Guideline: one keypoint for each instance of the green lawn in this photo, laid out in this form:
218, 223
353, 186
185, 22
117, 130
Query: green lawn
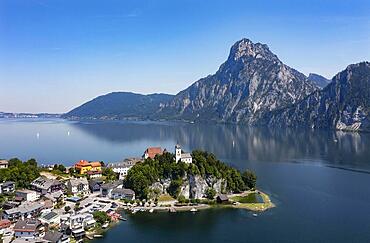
165, 198
250, 198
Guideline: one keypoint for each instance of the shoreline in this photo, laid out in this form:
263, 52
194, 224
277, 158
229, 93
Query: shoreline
254, 207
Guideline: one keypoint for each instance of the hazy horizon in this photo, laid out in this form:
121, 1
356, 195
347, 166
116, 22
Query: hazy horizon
57, 55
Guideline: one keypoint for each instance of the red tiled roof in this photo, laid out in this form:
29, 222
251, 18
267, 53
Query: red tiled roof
153, 151
82, 163
4, 223
95, 164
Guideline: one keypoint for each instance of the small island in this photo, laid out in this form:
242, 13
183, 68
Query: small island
184, 181
85, 200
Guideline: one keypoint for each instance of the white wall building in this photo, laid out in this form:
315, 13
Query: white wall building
122, 168
78, 185
27, 195
4, 164
183, 157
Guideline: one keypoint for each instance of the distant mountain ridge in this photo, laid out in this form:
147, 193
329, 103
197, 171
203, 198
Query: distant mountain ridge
318, 80
120, 105
251, 87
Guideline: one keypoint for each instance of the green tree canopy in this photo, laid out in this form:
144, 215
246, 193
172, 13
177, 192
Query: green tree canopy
22, 173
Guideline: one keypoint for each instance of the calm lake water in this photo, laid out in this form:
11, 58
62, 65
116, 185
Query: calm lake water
319, 180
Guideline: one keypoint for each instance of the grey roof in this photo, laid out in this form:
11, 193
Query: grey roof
54, 195
111, 185
92, 183
53, 236
126, 163
25, 191
125, 191
44, 183
49, 216
25, 208
186, 155
223, 197
78, 181
8, 183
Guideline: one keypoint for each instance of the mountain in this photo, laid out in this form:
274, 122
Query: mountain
251, 82
344, 104
318, 80
120, 105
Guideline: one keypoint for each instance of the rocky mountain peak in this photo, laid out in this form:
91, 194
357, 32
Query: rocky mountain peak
252, 81
318, 80
245, 48
359, 69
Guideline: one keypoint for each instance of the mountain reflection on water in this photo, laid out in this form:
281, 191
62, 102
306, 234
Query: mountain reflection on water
237, 142
61, 141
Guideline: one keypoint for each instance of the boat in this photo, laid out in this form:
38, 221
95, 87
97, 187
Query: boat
105, 225
193, 210
98, 236
172, 210
122, 218
255, 215
151, 210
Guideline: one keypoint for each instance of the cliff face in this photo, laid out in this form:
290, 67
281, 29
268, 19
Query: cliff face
344, 104
251, 82
193, 186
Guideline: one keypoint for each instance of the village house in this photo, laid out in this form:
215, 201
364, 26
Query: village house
83, 166
183, 157
28, 229
5, 223
95, 184
56, 237
222, 198
84, 220
106, 189
10, 204
55, 197
51, 219
45, 185
122, 193
78, 186
7, 187
151, 152
4, 164
27, 195
25, 210
94, 174
122, 168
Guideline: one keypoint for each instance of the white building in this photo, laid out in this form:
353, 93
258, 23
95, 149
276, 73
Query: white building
27, 195
183, 157
50, 218
3, 164
122, 168
78, 185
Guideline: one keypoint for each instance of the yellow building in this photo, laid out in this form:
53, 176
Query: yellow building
84, 166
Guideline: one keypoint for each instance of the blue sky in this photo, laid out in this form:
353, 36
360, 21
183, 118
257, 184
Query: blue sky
54, 55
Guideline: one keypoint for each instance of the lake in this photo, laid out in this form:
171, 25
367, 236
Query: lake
319, 180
